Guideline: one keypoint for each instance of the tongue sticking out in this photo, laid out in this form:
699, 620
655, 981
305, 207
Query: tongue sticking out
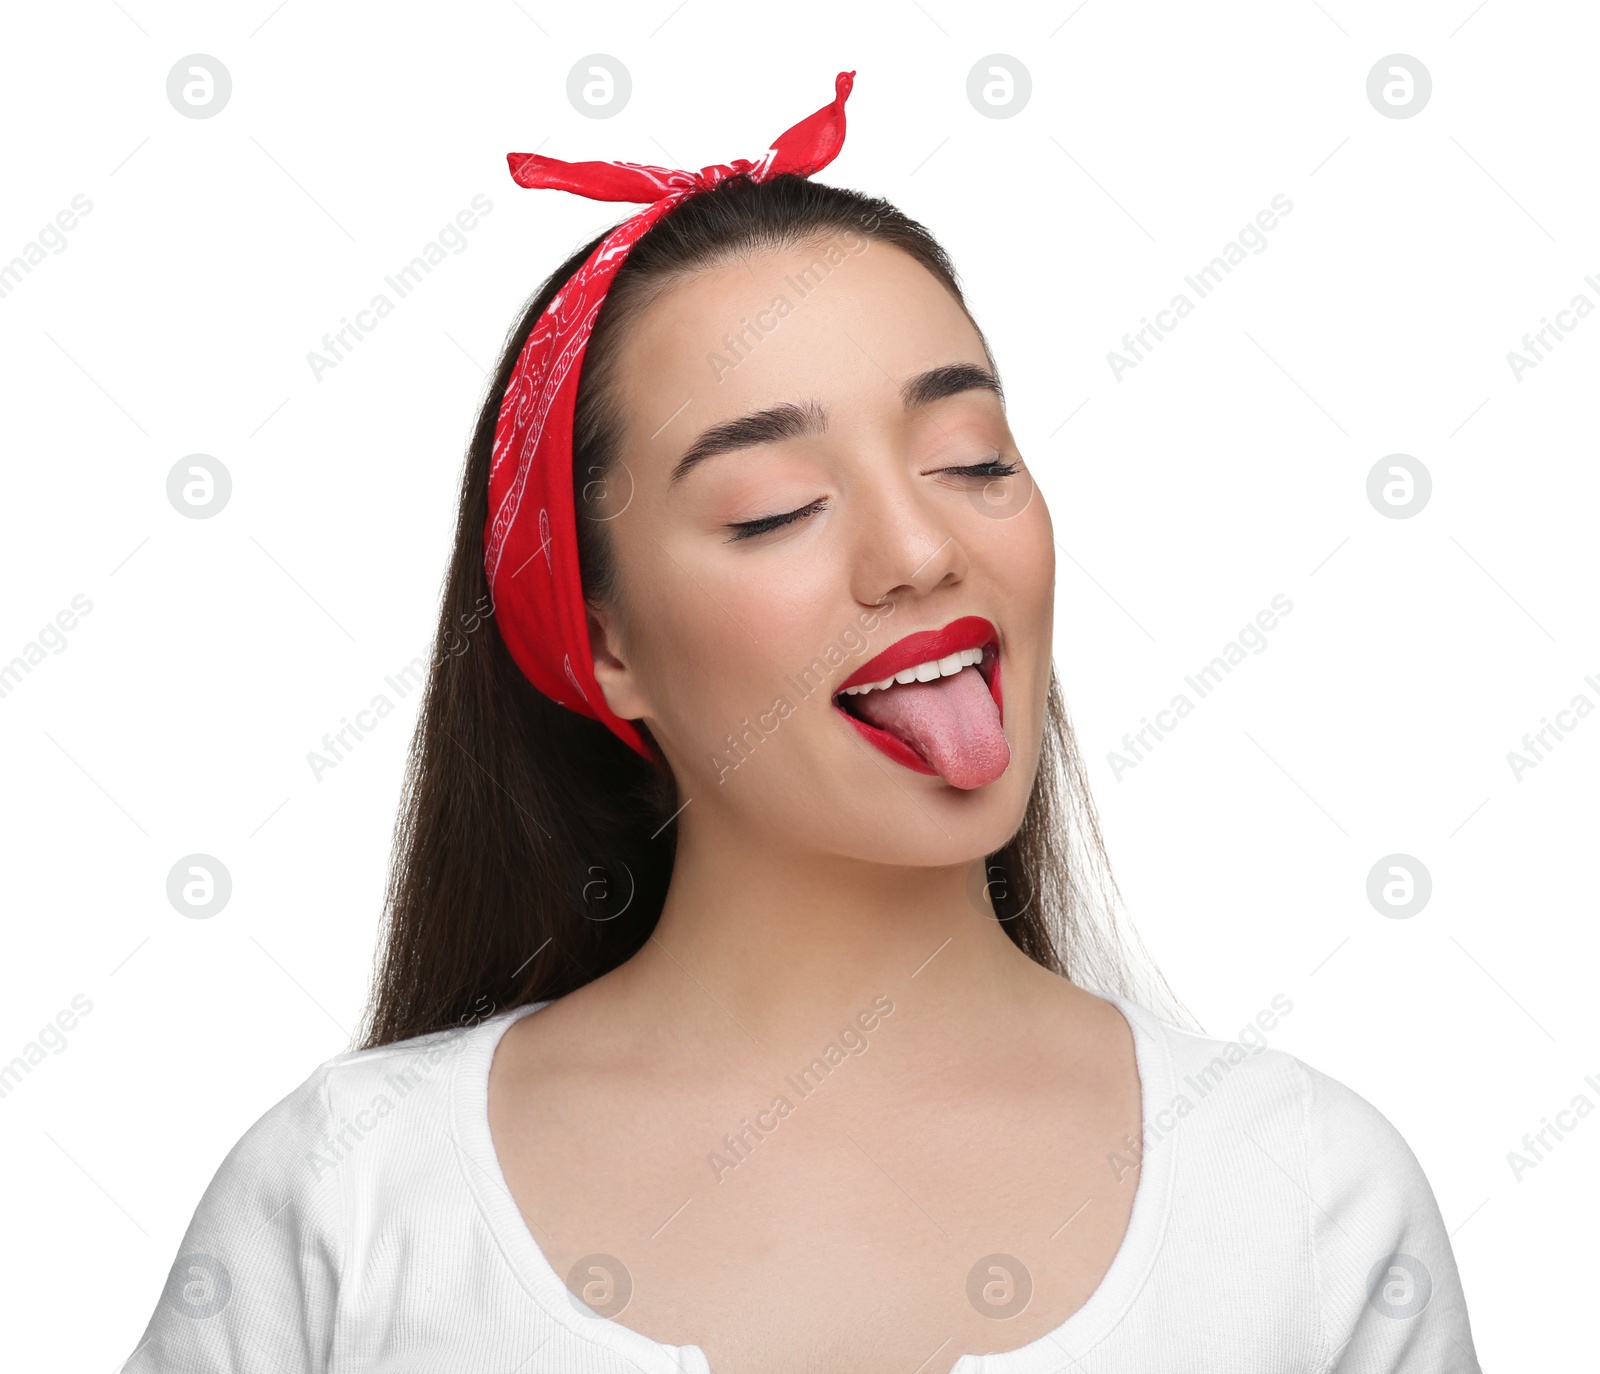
951, 721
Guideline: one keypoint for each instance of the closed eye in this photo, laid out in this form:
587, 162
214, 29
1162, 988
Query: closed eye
991, 467
748, 529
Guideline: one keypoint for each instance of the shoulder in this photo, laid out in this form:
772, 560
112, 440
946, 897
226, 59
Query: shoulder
269, 1241
1216, 1087
1245, 1083
325, 1120
383, 1101
287, 1161
1391, 1290
1362, 1161
1328, 1182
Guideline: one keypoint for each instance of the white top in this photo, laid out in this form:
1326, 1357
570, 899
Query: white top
1279, 1224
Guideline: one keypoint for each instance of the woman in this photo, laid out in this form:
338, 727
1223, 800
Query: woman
735, 1013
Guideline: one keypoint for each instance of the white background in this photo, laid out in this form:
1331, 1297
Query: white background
1228, 467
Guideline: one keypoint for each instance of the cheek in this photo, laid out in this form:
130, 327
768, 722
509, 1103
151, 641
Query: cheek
715, 644
1019, 552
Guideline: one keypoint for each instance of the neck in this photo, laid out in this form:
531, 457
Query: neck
770, 946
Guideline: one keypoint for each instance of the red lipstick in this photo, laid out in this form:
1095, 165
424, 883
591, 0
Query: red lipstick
968, 632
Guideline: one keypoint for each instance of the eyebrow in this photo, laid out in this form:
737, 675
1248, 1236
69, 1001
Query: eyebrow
790, 421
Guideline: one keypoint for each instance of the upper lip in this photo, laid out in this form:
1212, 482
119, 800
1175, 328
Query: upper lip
969, 632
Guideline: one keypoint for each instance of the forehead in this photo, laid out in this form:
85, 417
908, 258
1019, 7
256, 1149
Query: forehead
841, 322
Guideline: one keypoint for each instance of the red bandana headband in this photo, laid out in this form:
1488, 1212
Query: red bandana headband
530, 538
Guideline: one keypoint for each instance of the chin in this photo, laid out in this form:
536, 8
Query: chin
904, 848
923, 822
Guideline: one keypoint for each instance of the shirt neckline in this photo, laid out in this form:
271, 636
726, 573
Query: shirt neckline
1110, 1302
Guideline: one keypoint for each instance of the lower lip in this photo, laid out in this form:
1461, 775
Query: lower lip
895, 748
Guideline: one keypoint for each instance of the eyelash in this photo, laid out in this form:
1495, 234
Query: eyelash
749, 529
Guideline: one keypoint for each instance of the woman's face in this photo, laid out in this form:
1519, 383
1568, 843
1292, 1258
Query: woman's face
790, 505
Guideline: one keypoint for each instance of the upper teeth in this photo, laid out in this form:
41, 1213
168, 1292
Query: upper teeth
923, 672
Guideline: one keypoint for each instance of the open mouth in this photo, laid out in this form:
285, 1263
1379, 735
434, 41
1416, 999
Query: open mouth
931, 702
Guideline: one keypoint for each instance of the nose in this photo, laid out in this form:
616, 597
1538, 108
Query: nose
906, 543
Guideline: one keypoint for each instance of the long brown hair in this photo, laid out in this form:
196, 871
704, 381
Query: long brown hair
533, 849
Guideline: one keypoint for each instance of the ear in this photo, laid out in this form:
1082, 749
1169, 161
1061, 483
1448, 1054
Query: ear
623, 692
